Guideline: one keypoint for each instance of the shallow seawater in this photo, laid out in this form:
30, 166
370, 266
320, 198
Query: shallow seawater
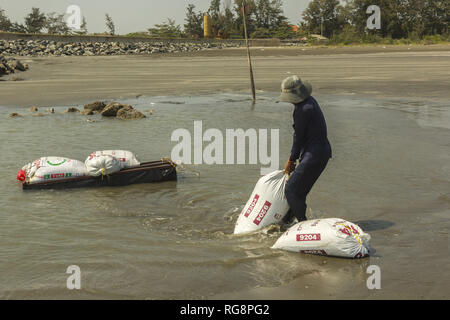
174, 240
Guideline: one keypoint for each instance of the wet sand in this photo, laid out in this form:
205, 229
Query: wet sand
382, 71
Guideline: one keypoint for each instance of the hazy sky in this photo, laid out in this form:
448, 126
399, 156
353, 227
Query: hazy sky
129, 15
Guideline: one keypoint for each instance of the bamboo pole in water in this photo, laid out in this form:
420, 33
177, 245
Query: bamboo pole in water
252, 80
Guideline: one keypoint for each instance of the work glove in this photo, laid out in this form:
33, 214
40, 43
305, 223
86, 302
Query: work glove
289, 166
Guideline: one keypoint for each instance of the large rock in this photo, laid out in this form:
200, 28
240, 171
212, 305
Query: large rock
33, 109
87, 112
112, 108
72, 110
3, 69
128, 113
95, 106
9, 65
16, 65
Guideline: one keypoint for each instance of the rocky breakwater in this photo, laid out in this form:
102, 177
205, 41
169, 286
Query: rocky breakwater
10, 65
58, 48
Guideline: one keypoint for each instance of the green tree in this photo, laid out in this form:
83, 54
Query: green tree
285, 32
83, 27
249, 16
269, 14
345, 14
348, 35
110, 25
5, 23
261, 33
435, 16
397, 17
194, 22
214, 13
55, 24
228, 22
222, 21
322, 17
17, 27
35, 21
167, 29
418, 17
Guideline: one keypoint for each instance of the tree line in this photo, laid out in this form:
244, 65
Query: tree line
39, 22
407, 19
50, 23
265, 19
340, 21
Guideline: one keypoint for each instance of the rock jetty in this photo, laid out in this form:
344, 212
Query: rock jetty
57, 48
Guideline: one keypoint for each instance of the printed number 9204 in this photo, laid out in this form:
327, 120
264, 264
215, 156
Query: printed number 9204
308, 237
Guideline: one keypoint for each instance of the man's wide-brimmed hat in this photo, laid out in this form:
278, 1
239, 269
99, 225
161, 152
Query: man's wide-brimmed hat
294, 90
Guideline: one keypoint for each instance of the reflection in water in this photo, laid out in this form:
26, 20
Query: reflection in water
426, 114
372, 225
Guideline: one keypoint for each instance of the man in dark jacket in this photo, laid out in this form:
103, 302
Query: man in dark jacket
310, 144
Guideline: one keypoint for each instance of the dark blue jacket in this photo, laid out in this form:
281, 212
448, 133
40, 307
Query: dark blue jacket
310, 132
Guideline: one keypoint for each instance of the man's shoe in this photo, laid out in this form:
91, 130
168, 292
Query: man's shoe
286, 225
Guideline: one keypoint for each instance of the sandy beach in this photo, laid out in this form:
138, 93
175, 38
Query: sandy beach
387, 115
381, 71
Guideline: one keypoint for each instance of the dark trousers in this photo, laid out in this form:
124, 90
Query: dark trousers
300, 183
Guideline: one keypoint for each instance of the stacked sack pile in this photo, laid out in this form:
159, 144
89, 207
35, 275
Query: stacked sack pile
98, 163
331, 237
